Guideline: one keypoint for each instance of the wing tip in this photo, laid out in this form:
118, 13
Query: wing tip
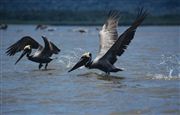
114, 14
10, 51
142, 13
44, 37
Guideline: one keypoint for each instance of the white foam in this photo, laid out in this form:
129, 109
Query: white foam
69, 58
164, 77
168, 68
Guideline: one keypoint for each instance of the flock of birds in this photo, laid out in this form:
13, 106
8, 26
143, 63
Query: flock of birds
111, 46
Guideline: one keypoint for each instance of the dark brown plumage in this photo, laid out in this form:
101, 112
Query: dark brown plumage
111, 45
41, 55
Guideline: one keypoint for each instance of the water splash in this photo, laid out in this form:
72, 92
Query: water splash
69, 58
169, 67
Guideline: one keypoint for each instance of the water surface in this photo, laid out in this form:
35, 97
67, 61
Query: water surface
149, 84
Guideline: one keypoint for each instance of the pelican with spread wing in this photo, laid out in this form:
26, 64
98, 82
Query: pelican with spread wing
111, 45
41, 55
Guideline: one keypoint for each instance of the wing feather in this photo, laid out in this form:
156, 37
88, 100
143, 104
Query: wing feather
49, 48
124, 39
108, 35
54, 48
20, 44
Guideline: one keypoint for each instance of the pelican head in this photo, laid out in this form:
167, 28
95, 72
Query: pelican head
27, 50
84, 60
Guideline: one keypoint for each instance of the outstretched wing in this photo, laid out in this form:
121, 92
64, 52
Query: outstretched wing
54, 48
108, 35
19, 45
124, 39
49, 48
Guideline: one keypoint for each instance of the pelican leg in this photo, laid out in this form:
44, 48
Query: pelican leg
46, 66
40, 65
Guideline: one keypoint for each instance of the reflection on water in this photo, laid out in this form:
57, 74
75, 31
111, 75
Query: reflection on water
148, 85
102, 76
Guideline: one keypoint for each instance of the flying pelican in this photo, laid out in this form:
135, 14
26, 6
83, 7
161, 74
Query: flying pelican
41, 55
3, 26
41, 27
111, 45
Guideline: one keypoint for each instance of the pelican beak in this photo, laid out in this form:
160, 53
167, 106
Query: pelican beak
80, 63
24, 53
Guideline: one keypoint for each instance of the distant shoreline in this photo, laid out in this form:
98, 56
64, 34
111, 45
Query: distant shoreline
82, 18
81, 24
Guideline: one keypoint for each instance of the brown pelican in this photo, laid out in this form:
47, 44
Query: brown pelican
81, 30
3, 26
41, 55
41, 27
111, 45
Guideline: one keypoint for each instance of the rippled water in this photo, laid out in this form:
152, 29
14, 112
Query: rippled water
149, 84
